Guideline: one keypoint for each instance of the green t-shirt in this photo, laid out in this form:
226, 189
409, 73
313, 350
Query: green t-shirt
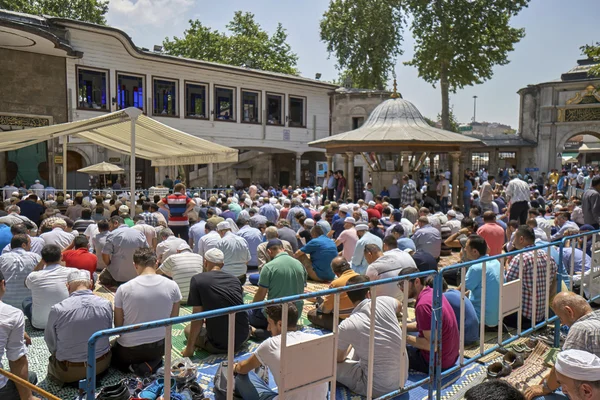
283, 276
129, 222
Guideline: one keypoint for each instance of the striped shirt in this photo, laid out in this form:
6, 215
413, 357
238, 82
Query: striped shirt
584, 334
181, 267
15, 266
177, 203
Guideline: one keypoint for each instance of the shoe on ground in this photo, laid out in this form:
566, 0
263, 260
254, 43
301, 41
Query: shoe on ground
192, 391
513, 359
152, 391
498, 370
119, 391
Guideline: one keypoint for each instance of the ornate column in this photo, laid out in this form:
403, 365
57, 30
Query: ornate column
210, 175
329, 161
406, 161
350, 176
270, 165
298, 169
455, 159
345, 170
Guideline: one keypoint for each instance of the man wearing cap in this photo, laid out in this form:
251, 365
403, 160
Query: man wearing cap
321, 251
387, 264
518, 196
117, 253
578, 373
584, 329
168, 244
181, 267
359, 263
338, 224
235, 250
372, 212
348, 238
210, 290
179, 205
70, 323
282, 276
47, 283
253, 237
263, 255
12, 340
453, 222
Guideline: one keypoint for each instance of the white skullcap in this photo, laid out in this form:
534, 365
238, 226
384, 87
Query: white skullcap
309, 222
196, 194
248, 201
451, 213
123, 209
394, 181
37, 181
362, 227
183, 246
273, 200
78, 275
214, 255
344, 209
15, 194
221, 226
68, 196
235, 200
579, 365
371, 203
350, 220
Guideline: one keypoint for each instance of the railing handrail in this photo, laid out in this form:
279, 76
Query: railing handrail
20, 381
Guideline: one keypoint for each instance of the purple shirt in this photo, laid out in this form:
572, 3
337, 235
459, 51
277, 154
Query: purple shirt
450, 342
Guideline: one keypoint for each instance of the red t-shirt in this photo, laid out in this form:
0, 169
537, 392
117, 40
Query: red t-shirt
494, 237
81, 259
373, 213
450, 336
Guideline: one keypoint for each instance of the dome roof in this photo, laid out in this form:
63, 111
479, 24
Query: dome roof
396, 121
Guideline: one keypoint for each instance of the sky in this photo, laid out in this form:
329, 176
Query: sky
554, 31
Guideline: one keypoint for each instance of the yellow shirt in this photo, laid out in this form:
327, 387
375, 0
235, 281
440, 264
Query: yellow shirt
346, 305
553, 178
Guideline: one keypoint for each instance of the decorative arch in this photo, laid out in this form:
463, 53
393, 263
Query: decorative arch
582, 130
358, 111
76, 159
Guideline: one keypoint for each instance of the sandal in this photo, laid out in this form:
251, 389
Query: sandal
513, 359
498, 370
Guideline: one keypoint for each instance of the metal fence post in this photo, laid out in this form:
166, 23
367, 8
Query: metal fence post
437, 312
559, 283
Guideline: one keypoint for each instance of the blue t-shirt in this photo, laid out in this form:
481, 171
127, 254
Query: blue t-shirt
471, 320
322, 251
406, 243
492, 298
5, 235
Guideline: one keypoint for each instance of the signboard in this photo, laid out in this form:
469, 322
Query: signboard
389, 165
558, 155
321, 169
58, 159
114, 159
532, 169
286, 135
465, 128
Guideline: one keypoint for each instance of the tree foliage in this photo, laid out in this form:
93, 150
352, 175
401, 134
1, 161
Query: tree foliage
82, 10
457, 43
593, 52
365, 37
245, 44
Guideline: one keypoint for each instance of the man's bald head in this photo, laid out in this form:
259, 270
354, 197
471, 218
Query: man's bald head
570, 307
339, 265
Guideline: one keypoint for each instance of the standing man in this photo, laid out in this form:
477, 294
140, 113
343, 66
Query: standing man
444, 193
408, 194
517, 193
235, 250
341, 186
591, 204
210, 290
12, 340
331, 185
70, 323
395, 195
486, 194
117, 254
147, 297
168, 182
15, 266
38, 189
179, 205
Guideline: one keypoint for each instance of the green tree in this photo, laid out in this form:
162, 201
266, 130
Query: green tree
245, 44
593, 52
453, 121
457, 43
82, 10
365, 37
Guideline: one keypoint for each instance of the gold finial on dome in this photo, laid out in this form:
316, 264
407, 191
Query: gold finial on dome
395, 94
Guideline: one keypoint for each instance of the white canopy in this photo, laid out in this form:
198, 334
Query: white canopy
102, 168
154, 141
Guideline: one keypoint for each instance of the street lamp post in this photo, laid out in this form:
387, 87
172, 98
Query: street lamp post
474, 108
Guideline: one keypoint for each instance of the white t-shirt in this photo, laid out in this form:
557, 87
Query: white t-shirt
12, 327
167, 247
355, 330
268, 354
143, 299
48, 287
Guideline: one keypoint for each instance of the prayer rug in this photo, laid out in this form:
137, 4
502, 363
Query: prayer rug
491, 339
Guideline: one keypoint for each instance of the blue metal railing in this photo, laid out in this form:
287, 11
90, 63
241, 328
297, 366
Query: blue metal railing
436, 375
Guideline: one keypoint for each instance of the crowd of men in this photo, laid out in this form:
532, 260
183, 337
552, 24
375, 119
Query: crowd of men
182, 249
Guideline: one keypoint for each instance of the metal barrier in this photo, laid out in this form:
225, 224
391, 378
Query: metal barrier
436, 375
22, 382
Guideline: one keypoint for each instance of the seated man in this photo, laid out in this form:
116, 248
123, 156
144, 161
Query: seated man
167, 244
147, 297
80, 257
359, 263
387, 264
418, 351
16, 264
322, 315
181, 267
48, 285
475, 249
322, 251
584, 330
525, 237
427, 238
579, 374
58, 235
471, 320
71, 323
250, 385
282, 276
263, 255
402, 242
12, 340
493, 389
210, 290
353, 343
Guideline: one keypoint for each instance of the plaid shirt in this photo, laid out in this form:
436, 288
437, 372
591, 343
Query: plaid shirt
584, 334
527, 284
149, 218
408, 195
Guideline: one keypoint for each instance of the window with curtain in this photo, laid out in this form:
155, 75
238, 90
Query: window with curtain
92, 89
196, 102
250, 106
296, 113
275, 109
130, 91
224, 104
164, 97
